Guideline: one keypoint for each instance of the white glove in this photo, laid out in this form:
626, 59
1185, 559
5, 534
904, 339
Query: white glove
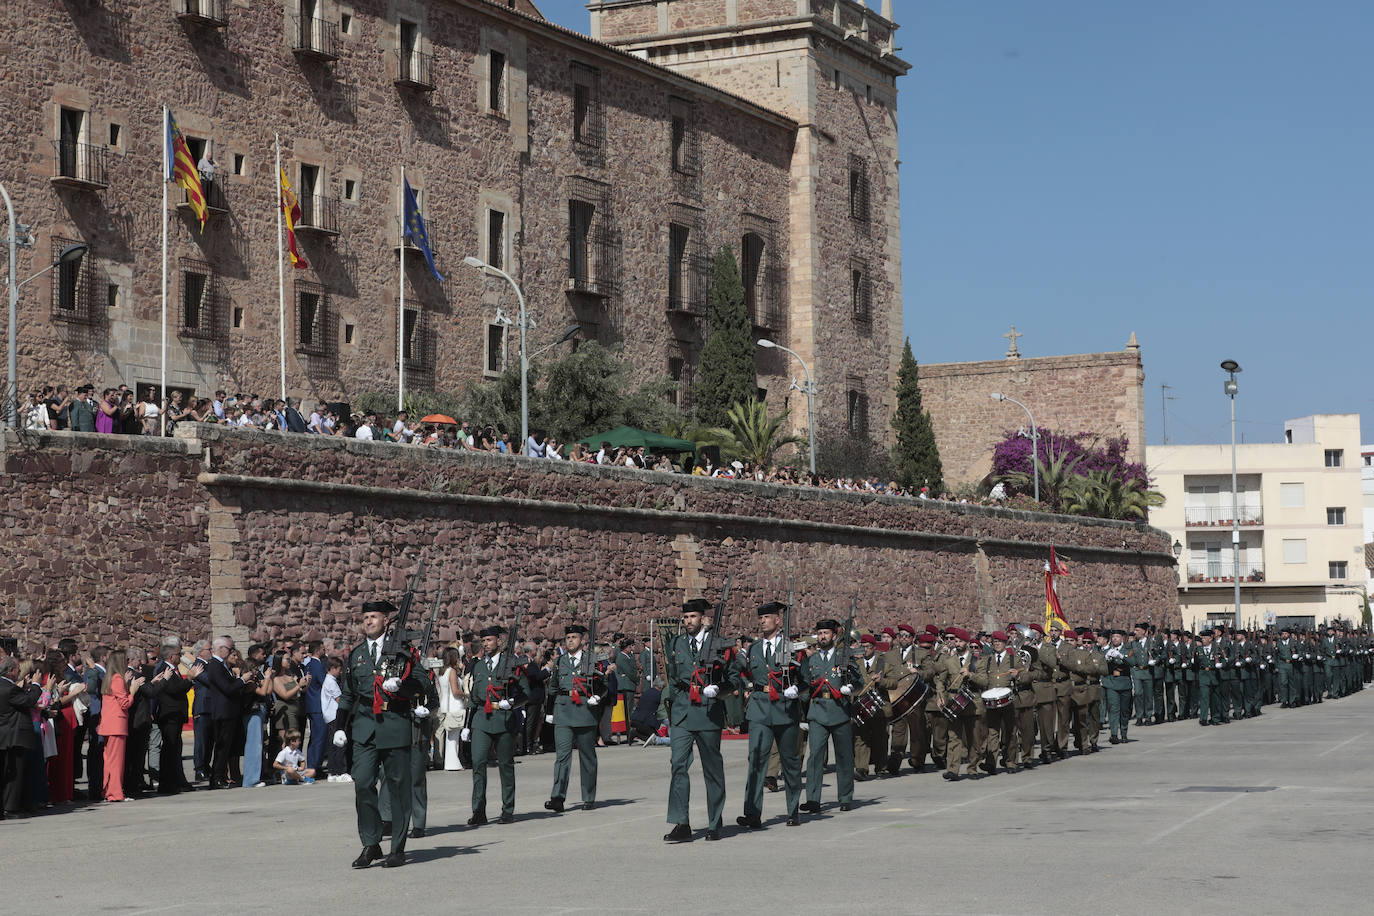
548, 719
391, 684
504, 704
790, 693
593, 700
710, 691
340, 739
421, 711
465, 735
847, 690
805, 726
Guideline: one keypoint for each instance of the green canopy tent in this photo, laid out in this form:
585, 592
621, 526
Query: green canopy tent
630, 437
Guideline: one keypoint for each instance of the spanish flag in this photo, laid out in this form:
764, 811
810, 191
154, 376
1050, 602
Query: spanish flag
1054, 614
291, 209
181, 168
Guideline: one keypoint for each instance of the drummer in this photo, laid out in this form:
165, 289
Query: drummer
870, 736
997, 675
959, 703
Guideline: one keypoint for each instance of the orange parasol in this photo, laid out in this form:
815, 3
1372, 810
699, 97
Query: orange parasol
439, 418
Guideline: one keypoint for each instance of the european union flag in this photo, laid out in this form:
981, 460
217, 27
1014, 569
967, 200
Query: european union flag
415, 231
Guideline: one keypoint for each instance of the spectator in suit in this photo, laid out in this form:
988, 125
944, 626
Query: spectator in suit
203, 743
17, 700
140, 727
95, 755
224, 704
168, 688
116, 700
313, 674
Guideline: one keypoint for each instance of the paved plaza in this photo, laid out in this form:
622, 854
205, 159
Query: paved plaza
1263, 816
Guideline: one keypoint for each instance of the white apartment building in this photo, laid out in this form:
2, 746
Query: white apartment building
1367, 491
1303, 524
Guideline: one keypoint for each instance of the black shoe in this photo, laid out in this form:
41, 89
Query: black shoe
477, 820
753, 823
369, 855
555, 805
713, 834
386, 828
952, 777
682, 833
794, 821
861, 776
589, 806
506, 818
845, 806
1114, 740
395, 860
1045, 758
811, 807
1204, 724
770, 783
417, 833
938, 761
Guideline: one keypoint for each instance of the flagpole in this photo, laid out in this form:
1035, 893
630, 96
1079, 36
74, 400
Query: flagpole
166, 171
281, 278
401, 312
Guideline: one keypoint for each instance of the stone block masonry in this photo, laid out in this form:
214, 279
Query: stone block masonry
270, 534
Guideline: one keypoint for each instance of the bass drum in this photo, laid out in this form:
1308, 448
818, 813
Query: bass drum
869, 705
909, 693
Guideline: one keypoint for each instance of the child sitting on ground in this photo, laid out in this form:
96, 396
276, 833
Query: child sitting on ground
288, 762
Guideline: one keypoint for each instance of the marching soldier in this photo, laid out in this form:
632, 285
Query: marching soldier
1187, 685
574, 720
626, 679
870, 739
832, 676
1247, 676
1285, 654
1117, 685
380, 717
936, 723
419, 764
1042, 677
1025, 706
898, 662
1063, 695
696, 716
1084, 672
1142, 681
1173, 673
774, 715
1000, 668
1230, 681
499, 689
1211, 659
951, 677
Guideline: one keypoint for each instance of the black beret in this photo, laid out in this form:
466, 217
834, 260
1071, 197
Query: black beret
577, 628
379, 607
828, 624
1142, 625
696, 606
493, 630
772, 607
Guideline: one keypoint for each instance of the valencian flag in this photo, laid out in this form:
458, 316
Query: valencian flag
1053, 612
415, 231
291, 209
181, 168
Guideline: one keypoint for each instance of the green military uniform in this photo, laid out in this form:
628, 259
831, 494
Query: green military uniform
1086, 666
382, 729
774, 721
1116, 683
1285, 651
1247, 676
627, 680
1140, 658
1172, 674
1187, 685
419, 759
495, 679
1211, 659
695, 721
574, 726
826, 673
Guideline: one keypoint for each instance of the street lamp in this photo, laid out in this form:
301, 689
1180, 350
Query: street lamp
1231, 367
568, 335
486, 268
808, 388
70, 254
1035, 439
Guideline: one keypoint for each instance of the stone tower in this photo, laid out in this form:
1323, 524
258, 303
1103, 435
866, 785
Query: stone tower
832, 66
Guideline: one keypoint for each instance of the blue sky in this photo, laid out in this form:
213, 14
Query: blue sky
1200, 173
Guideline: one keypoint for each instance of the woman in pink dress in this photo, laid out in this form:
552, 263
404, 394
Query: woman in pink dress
106, 410
116, 698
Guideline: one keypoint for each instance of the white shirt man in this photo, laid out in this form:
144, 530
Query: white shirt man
364, 431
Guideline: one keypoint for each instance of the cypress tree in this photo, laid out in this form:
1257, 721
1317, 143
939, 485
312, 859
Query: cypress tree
727, 376
916, 456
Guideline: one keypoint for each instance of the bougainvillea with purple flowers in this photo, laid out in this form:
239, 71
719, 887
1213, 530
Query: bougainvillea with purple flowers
1085, 453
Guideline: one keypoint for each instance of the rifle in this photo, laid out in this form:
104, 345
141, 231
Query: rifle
429, 628
848, 650
396, 659
713, 649
787, 663
589, 654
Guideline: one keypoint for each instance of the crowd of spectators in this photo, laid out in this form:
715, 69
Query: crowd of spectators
108, 724
117, 410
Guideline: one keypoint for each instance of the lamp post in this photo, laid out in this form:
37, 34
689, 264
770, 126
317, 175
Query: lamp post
808, 389
69, 254
1035, 440
486, 268
1231, 367
568, 335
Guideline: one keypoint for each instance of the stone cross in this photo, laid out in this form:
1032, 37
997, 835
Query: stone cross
1012, 351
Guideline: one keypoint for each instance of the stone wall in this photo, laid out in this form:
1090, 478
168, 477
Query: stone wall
1101, 393
259, 534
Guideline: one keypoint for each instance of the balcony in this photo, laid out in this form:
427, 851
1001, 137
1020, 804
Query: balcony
315, 39
587, 285
1221, 517
1223, 573
215, 202
319, 215
414, 71
82, 166
211, 14
686, 306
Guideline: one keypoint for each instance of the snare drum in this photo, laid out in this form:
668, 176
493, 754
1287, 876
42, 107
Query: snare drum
960, 704
997, 697
869, 705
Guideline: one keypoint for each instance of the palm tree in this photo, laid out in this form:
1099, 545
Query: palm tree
1057, 476
1102, 494
757, 436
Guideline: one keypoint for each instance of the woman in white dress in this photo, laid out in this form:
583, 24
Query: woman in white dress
452, 706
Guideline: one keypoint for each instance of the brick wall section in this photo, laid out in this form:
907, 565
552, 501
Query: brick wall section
1102, 393
292, 556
